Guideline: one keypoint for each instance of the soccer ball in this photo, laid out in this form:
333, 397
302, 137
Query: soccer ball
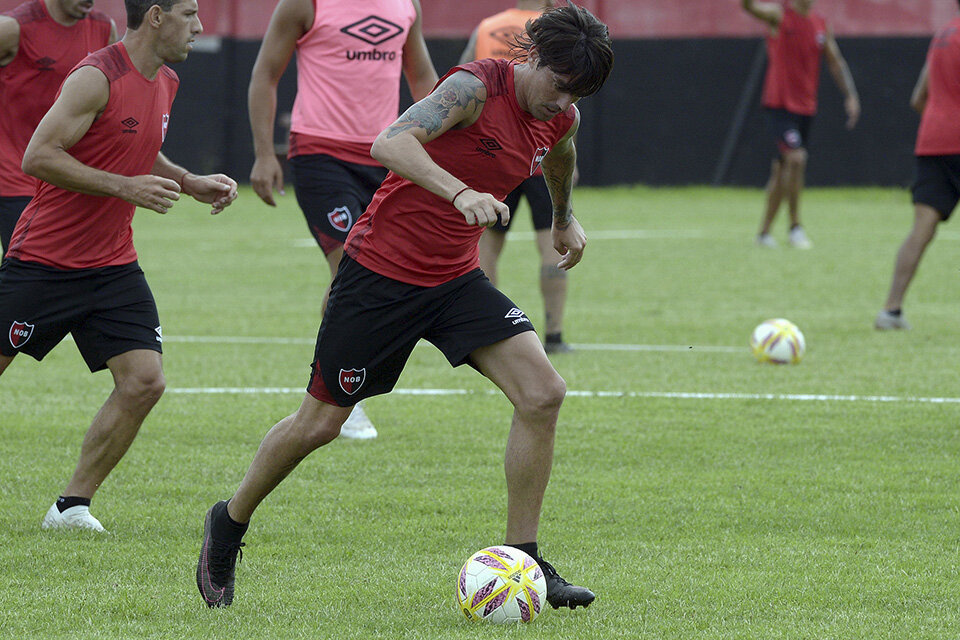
501, 584
778, 341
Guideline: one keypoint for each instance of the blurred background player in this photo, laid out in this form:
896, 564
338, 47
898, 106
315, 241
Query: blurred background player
350, 56
936, 189
798, 39
40, 42
494, 38
71, 266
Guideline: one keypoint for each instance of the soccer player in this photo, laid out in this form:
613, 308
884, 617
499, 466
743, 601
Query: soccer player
40, 41
936, 189
71, 266
350, 56
410, 271
493, 38
798, 39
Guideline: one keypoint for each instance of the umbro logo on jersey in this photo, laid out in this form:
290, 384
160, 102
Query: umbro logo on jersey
130, 124
487, 147
19, 333
506, 35
373, 30
516, 316
45, 63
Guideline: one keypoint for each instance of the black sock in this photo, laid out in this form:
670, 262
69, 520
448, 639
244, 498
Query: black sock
225, 528
529, 548
65, 502
555, 337
895, 312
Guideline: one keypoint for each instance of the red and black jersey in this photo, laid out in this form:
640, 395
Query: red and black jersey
939, 133
794, 52
414, 236
47, 51
71, 230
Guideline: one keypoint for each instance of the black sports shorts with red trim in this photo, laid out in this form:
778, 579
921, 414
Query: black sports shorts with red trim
373, 322
535, 190
109, 311
10, 209
937, 183
332, 194
789, 130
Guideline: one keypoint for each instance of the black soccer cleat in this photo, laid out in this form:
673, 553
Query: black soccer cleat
217, 563
561, 593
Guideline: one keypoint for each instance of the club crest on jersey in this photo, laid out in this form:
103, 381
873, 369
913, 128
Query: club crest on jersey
538, 158
340, 219
352, 379
19, 333
164, 122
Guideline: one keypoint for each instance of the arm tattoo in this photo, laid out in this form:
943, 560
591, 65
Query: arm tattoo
558, 173
430, 113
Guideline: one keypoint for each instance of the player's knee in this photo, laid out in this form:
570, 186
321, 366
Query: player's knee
315, 434
796, 158
543, 399
143, 387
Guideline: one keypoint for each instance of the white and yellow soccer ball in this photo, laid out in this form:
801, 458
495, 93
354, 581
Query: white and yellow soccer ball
501, 584
778, 341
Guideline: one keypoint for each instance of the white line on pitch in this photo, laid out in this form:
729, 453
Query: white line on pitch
625, 234
578, 346
677, 395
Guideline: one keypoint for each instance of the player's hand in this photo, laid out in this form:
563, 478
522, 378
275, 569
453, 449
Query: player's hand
852, 106
267, 175
216, 189
151, 192
569, 240
481, 209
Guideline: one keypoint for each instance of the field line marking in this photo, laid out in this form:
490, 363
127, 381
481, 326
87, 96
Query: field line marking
579, 346
612, 234
677, 395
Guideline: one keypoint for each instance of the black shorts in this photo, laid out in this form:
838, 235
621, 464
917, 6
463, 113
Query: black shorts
937, 183
109, 311
10, 209
789, 130
538, 197
332, 194
373, 322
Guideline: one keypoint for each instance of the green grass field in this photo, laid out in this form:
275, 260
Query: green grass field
747, 509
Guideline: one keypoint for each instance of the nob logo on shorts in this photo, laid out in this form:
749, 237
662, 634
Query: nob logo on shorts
352, 379
19, 333
340, 219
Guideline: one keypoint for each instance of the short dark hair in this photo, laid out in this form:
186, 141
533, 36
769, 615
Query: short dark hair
137, 9
572, 42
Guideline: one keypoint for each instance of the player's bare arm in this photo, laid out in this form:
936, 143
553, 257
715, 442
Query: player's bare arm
82, 99
558, 167
456, 103
769, 12
9, 39
290, 21
841, 75
918, 99
418, 68
215, 189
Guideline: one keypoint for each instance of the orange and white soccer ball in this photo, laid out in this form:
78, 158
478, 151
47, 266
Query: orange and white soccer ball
501, 584
778, 341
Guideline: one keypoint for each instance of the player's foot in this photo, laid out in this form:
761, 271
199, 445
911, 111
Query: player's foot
557, 347
217, 563
77, 517
888, 320
358, 425
561, 593
798, 238
766, 240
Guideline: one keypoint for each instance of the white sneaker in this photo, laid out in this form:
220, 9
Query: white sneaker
886, 320
766, 240
798, 238
358, 425
73, 518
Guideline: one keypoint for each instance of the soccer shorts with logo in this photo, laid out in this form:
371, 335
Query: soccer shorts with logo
937, 183
789, 130
373, 322
535, 190
332, 194
109, 311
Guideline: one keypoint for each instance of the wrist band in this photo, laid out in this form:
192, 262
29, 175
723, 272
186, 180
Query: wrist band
180, 181
454, 198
